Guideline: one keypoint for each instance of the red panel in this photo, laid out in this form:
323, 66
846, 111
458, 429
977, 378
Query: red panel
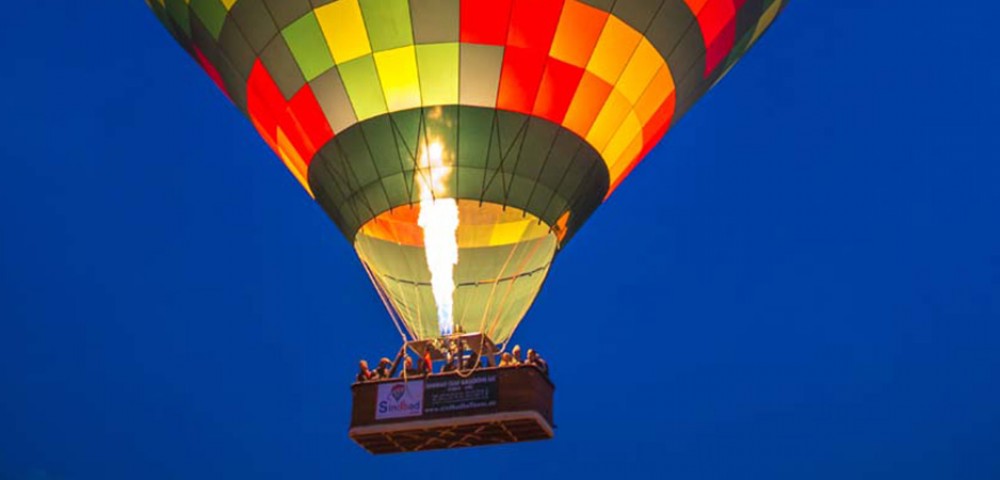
305, 124
484, 21
719, 50
264, 102
714, 17
718, 27
533, 23
556, 91
520, 78
210, 69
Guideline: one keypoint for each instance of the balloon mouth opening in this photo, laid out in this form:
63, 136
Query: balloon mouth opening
480, 224
501, 256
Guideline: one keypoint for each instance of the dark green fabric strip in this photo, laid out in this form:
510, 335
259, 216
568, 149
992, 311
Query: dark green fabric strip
499, 157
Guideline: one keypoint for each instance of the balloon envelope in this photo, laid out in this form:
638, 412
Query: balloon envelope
525, 114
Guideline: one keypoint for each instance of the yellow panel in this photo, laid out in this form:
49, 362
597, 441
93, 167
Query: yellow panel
645, 62
624, 161
587, 103
659, 88
613, 50
344, 29
228, 4
624, 146
765, 21
397, 70
507, 233
474, 235
608, 121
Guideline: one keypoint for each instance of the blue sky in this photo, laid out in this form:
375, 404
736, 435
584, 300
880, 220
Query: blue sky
801, 281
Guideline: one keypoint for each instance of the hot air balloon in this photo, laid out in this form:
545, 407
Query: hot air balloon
459, 145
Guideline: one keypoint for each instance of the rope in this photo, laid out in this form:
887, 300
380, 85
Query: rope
493, 289
510, 287
385, 302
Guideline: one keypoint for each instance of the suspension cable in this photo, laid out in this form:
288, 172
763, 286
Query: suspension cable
386, 303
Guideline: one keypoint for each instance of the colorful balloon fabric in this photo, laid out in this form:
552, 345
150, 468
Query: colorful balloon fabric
535, 110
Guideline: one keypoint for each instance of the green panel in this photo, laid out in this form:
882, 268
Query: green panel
236, 49
375, 197
306, 41
382, 143
438, 70
281, 64
439, 126
179, 12
361, 168
557, 171
399, 188
361, 79
255, 21
388, 23
406, 127
212, 14
474, 132
470, 181
286, 11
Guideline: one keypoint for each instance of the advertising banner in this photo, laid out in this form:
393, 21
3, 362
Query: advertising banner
453, 393
399, 400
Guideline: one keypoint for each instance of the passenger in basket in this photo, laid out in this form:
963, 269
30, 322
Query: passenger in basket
536, 360
364, 374
449, 363
516, 353
408, 369
426, 363
507, 360
472, 361
382, 371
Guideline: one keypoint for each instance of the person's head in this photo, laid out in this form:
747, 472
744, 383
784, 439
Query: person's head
363, 365
532, 354
407, 362
516, 351
506, 357
385, 362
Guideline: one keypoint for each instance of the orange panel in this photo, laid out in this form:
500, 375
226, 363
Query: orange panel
613, 50
576, 36
657, 126
659, 88
586, 104
608, 121
651, 133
